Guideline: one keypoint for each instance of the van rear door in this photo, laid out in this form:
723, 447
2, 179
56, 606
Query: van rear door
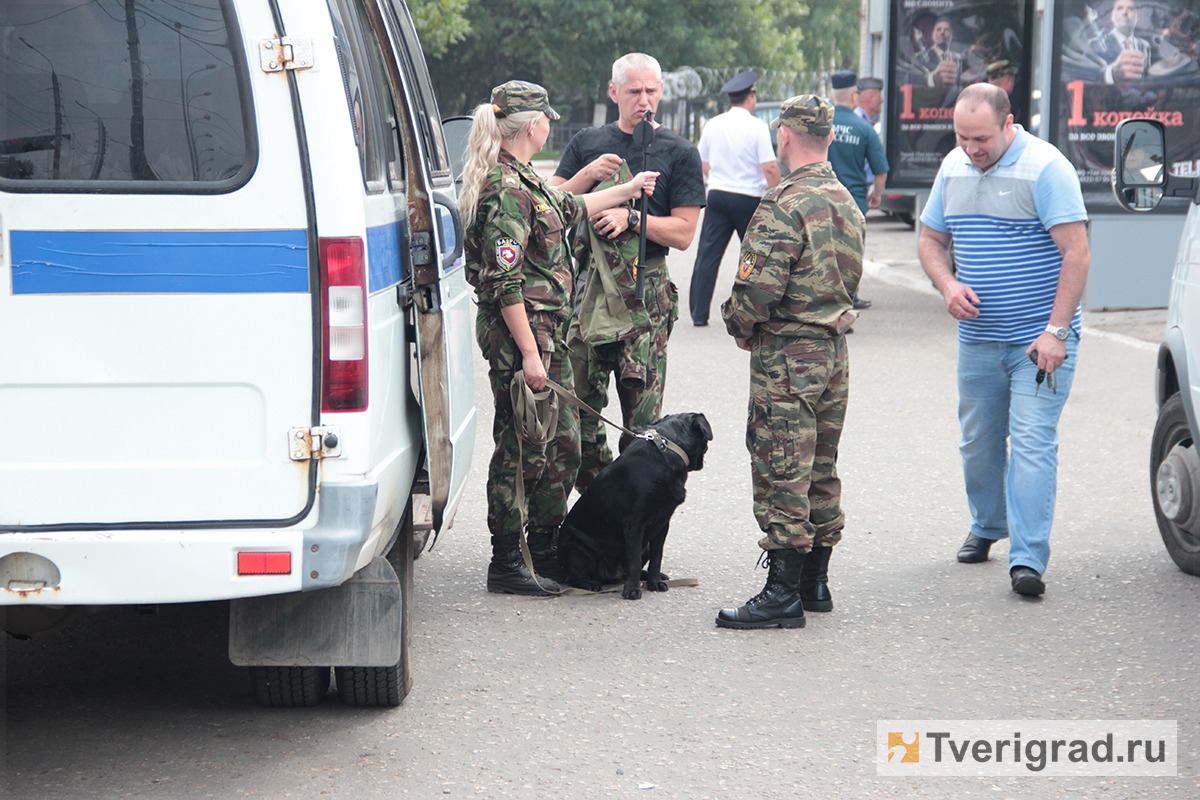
442, 297
156, 322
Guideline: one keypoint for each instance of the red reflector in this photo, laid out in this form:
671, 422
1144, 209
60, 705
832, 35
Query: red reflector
264, 563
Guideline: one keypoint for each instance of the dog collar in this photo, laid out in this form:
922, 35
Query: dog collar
664, 444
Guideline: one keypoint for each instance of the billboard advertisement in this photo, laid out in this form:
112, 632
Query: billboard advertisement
938, 47
1125, 59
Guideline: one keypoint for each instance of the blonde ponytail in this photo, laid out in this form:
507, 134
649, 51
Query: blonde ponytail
483, 152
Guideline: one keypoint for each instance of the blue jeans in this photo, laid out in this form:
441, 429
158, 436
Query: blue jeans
1010, 445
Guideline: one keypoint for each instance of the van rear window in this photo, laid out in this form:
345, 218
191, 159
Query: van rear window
143, 95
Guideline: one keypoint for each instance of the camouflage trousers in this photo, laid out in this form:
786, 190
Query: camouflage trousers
548, 472
640, 365
798, 394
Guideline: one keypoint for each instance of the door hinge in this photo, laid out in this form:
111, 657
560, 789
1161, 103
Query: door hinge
420, 248
288, 52
308, 444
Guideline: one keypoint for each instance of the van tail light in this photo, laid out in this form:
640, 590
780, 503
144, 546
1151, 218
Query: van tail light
344, 293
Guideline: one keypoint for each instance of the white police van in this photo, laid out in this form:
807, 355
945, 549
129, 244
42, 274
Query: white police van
1140, 180
235, 334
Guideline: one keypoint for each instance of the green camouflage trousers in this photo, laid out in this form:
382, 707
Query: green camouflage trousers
798, 394
549, 471
640, 365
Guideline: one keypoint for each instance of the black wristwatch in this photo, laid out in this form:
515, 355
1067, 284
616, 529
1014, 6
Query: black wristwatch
634, 219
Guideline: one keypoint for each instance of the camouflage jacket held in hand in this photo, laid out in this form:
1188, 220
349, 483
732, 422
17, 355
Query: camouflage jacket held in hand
606, 309
516, 246
801, 260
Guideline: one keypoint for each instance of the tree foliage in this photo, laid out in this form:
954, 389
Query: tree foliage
439, 23
569, 45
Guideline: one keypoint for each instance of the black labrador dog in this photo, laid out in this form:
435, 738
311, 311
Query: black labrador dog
620, 522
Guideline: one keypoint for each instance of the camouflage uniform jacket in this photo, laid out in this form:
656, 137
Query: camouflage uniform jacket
801, 260
516, 246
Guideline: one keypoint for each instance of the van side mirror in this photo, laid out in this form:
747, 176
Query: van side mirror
457, 131
1141, 173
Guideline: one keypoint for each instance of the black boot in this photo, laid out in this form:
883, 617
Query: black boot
814, 580
778, 603
507, 574
543, 546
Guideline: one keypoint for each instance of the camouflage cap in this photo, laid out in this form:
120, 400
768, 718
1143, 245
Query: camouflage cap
1001, 67
806, 113
517, 96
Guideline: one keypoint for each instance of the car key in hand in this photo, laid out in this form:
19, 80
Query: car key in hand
1042, 375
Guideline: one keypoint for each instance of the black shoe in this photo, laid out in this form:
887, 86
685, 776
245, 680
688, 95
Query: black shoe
543, 550
859, 305
779, 603
700, 323
507, 573
974, 550
814, 580
1027, 582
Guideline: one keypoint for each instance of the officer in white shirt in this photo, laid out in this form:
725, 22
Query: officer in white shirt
739, 164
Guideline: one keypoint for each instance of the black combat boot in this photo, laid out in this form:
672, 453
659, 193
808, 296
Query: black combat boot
543, 546
814, 580
778, 603
507, 574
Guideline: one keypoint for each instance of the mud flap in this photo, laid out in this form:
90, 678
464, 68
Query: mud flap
356, 624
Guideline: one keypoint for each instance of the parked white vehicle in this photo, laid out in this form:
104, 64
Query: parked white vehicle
237, 336
1141, 179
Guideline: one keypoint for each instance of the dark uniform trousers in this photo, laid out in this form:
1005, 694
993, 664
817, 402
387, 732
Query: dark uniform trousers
725, 213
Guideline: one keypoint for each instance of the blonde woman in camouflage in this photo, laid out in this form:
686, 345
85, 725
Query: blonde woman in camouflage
517, 260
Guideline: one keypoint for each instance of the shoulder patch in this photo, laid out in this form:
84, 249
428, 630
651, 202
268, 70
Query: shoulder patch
747, 266
541, 208
508, 253
510, 180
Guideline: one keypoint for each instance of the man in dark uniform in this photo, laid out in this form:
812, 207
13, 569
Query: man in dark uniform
592, 156
800, 266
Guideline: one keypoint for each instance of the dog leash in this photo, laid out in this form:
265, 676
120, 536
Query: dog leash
657, 439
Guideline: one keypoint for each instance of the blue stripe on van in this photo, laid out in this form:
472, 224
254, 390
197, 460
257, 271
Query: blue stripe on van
176, 262
384, 265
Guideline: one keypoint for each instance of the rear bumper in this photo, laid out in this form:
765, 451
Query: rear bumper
184, 566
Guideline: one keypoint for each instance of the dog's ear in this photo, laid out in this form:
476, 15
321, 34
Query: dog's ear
700, 425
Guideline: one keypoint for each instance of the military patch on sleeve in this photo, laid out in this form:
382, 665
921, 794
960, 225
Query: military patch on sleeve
747, 267
508, 253
541, 208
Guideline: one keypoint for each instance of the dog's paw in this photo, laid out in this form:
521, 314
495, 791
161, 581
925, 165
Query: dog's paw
632, 593
657, 586
663, 575
591, 586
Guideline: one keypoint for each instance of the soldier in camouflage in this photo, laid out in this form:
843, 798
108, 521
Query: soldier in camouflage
517, 261
799, 269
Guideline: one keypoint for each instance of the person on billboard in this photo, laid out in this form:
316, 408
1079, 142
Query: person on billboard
1126, 55
941, 63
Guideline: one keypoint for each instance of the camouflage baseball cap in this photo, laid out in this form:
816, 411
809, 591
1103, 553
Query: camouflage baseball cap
517, 96
806, 113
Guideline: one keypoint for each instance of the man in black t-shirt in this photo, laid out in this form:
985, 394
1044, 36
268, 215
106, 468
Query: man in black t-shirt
591, 157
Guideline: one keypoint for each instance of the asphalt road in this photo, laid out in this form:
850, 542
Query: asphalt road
598, 697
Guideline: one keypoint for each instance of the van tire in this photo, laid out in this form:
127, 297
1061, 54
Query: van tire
289, 687
1172, 429
370, 686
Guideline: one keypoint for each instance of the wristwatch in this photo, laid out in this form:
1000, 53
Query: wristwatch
634, 219
1059, 333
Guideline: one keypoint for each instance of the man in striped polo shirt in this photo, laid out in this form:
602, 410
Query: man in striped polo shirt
1012, 206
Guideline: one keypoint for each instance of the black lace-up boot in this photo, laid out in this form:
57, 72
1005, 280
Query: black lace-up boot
507, 574
543, 547
814, 580
779, 603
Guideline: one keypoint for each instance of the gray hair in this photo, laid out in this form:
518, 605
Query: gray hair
635, 61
